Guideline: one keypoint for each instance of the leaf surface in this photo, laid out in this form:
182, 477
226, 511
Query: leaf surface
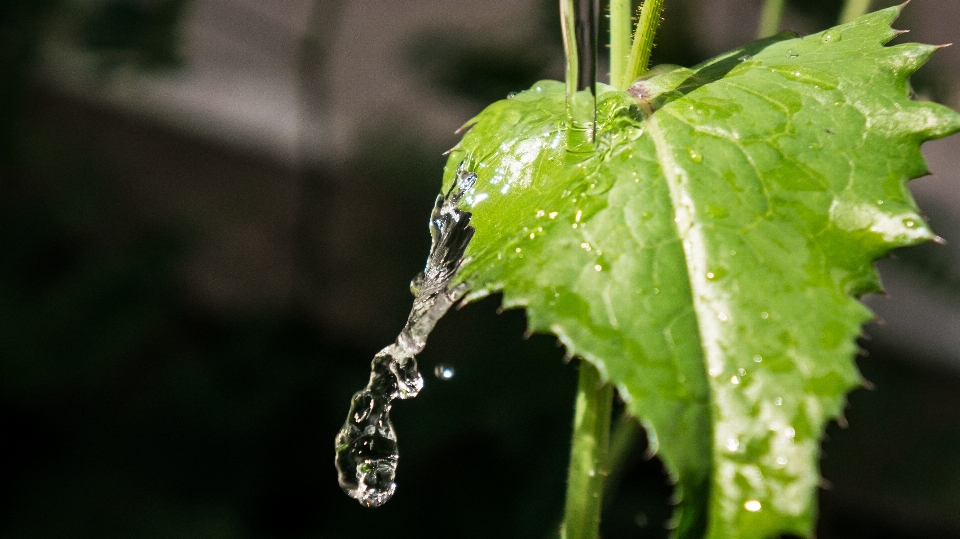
707, 257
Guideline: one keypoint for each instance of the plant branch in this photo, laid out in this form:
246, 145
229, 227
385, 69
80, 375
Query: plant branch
588, 455
620, 25
853, 9
643, 41
770, 18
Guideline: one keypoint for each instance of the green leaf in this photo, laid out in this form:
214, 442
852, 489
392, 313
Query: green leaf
707, 256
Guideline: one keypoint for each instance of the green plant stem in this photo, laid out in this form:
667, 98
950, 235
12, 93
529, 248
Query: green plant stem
620, 25
770, 18
853, 9
643, 41
588, 455
568, 23
623, 438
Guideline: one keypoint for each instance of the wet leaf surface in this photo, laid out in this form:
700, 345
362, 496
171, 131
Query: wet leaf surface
707, 257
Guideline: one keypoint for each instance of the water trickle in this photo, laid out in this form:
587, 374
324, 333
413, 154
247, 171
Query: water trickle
443, 372
366, 446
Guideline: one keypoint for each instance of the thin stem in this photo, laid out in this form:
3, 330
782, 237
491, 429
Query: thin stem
620, 24
853, 9
623, 438
770, 18
568, 24
643, 41
588, 455
578, 22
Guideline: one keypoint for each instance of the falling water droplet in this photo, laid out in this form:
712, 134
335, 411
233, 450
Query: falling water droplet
366, 446
443, 372
752, 505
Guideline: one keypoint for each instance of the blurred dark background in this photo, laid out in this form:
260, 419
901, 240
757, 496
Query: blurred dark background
209, 214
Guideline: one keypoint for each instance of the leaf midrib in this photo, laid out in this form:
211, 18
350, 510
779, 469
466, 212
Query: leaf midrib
694, 249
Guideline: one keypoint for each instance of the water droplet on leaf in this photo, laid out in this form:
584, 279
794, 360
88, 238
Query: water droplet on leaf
831, 36
792, 53
752, 505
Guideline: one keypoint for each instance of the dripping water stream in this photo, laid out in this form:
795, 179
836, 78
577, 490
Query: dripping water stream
366, 446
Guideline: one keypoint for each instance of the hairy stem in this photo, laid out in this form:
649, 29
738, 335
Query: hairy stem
770, 18
643, 41
853, 9
620, 25
588, 455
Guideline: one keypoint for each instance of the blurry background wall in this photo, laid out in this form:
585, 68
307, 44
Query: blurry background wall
209, 213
